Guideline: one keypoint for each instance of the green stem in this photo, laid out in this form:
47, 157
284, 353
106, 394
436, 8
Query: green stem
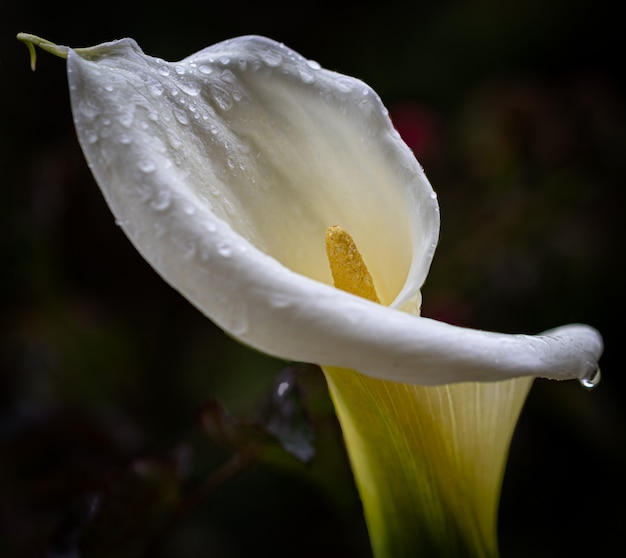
31, 41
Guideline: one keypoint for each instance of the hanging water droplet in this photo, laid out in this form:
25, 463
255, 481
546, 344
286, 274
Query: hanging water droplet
592, 380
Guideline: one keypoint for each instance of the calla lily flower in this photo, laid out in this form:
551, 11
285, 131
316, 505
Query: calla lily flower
226, 170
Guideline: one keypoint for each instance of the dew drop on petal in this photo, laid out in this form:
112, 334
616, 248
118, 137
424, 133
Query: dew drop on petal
146, 166
162, 201
224, 250
164, 71
159, 229
313, 64
223, 99
181, 116
190, 87
179, 69
204, 69
87, 110
592, 380
155, 88
272, 59
306, 77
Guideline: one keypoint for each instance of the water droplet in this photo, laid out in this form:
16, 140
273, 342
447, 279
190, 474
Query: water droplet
222, 98
126, 118
88, 110
153, 115
224, 250
164, 70
125, 139
155, 88
146, 166
159, 229
592, 380
190, 87
204, 69
224, 60
179, 69
108, 87
313, 64
92, 138
162, 201
187, 249
239, 325
181, 116
306, 77
345, 85
433, 195
272, 59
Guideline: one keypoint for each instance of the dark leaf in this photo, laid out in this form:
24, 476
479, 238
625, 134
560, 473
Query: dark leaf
284, 416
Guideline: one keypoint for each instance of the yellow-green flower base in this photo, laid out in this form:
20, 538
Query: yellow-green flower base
428, 461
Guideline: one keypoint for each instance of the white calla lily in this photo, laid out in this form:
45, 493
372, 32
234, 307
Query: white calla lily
226, 168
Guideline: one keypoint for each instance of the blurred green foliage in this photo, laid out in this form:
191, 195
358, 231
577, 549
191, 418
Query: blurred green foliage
516, 111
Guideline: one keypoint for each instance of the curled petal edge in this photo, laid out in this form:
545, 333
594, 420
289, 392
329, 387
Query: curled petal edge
262, 303
277, 311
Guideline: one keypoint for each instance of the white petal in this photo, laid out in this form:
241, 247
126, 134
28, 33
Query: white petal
226, 168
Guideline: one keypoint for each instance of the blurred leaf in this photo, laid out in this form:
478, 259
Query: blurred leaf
282, 420
283, 414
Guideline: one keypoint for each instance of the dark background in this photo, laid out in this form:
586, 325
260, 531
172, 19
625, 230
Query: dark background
516, 111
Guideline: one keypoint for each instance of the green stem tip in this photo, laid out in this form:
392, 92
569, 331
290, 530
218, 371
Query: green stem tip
31, 41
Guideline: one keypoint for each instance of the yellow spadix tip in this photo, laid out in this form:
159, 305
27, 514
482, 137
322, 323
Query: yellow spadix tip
348, 269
